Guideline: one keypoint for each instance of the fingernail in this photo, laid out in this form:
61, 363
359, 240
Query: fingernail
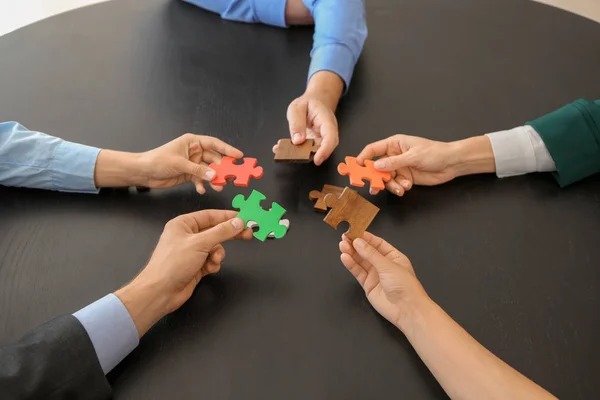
296, 137
209, 174
405, 184
397, 191
237, 223
360, 243
380, 164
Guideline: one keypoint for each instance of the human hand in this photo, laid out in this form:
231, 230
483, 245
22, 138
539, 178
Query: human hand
418, 161
385, 274
184, 159
312, 115
189, 248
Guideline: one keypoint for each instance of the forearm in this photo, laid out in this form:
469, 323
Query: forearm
40, 161
118, 169
340, 33
463, 367
471, 156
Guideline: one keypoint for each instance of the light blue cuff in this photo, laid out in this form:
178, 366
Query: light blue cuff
111, 330
336, 58
271, 12
73, 168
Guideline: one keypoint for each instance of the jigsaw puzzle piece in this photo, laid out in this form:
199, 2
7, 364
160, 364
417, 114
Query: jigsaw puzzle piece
268, 221
290, 152
317, 196
241, 172
284, 222
357, 173
352, 208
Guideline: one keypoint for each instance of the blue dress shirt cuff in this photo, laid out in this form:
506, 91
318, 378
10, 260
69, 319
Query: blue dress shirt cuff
73, 168
336, 58
271, 12
111, 330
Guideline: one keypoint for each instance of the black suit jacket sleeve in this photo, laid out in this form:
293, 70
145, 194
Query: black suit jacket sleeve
55, 361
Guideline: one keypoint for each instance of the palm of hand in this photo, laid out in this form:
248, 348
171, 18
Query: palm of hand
385, 291
187, 265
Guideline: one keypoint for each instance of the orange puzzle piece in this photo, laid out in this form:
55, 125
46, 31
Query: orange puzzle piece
241, 172
357, 173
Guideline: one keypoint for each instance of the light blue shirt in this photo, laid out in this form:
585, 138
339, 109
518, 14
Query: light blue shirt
340, 28
36, 160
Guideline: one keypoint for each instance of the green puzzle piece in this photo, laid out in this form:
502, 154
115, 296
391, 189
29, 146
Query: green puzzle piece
267, 220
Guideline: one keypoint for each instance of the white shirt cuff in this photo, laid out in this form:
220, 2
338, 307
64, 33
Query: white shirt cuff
520, 151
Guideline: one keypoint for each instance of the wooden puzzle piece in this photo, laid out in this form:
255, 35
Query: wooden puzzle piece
320, 205
289, 152
357, 173
268, 220
284, 222
241, 172
352, 208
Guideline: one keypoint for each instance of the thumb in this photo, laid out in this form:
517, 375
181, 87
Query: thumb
296, 115
197, 170
218, 234
395, 162
372, 255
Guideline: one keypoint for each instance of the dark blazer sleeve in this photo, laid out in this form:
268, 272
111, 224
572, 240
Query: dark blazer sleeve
572, 136
55, 361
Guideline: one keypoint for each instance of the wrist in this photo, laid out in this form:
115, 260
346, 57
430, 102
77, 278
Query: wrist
146, 303
118, 169
413, 312
327, 87
472, 156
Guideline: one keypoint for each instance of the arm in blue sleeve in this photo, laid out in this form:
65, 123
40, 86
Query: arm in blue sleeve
111, 330
270, 12
36, 160
340, 28
340, 33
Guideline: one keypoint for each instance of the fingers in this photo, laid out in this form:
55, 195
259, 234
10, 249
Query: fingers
395, 162
372, 254
329, 133
212, 143
355, 269
373, 150
296, 115
217, 254
382, 246
201, 220
210, 156
220, 233
199, 187
196, 170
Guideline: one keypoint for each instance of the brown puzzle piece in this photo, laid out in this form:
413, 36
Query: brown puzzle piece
350, 207
289, 152
319, 196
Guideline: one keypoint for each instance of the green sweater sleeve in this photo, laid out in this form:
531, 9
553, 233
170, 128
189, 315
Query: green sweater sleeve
572, 136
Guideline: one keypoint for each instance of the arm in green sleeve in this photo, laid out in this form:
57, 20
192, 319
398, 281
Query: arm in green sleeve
572, 136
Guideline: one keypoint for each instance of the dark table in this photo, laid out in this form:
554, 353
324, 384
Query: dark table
515, 261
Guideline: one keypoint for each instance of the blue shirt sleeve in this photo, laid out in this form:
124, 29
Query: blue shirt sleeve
40, 161
111, 330
340, 28
340, 33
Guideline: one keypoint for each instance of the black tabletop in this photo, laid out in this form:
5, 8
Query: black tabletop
515, 261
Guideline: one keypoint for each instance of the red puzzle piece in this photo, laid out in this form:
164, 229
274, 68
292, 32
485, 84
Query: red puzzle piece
241, 172
357, 173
